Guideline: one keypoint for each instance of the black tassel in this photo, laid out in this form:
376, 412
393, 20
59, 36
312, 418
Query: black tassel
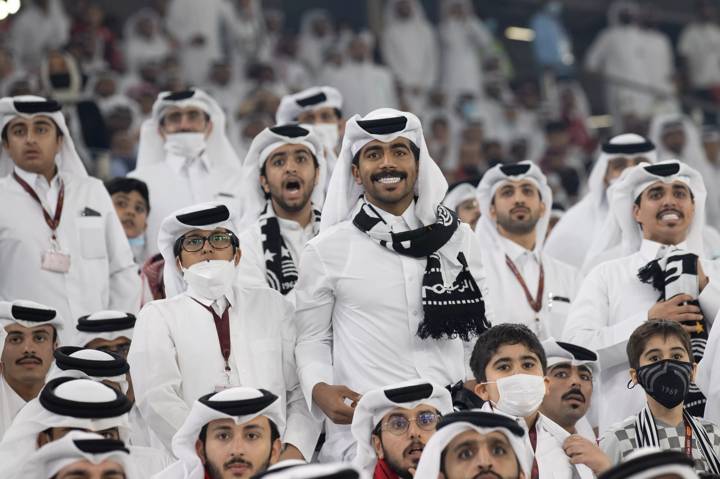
652, 273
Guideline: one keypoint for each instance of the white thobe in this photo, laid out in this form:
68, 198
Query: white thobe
102, 272
700, 45
358, 309
177, 183
572, 236
552, 461
507, 298
611, 304
30, 43
10, 405
465, 44
178, 336
364, 86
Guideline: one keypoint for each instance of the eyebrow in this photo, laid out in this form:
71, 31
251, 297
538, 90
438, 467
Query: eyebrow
41, 121
252, 426
372, 148
466, 443
398, 145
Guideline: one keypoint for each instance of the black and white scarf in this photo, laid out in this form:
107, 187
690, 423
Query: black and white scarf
647, 436
672, 274
280, 269
455, 310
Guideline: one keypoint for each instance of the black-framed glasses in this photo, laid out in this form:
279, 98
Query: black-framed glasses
398, 424
194, 243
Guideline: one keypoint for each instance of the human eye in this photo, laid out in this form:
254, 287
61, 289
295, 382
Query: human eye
560, 374
466, 453
528, 364
40, 338
678, 356
140, 209
507, 192
680, 193
654, 358
15, 339
586, 377
398, 423
222, 436
121, 203
278, 162
41, 129
427, 418
18, 131
253, 436
499, 450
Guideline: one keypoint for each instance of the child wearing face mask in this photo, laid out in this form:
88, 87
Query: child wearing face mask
660, 357
509, 366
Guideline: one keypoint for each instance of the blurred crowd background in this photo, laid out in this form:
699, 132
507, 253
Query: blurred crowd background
493, 81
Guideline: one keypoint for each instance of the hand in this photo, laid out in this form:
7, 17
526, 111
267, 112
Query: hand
291, 452
702, 279
331, 399
674, 310
581, 450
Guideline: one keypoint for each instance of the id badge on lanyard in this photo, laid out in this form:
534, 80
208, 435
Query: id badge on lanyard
55, 260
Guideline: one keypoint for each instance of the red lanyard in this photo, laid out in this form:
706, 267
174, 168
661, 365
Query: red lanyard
532, 434
535, 303
688, 439
222, 326
52, 222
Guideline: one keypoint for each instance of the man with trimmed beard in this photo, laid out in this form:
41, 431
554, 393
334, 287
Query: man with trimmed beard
30, 339
282, 201
234, 433
392, 287
659, 213
393, 424
526, 285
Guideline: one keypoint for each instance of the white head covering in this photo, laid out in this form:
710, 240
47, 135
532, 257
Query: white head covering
108, 325
622, 231
74, 447
209, 216
386, 125
458, 194
219, 150
27, 106
64, 402
240, 404
263, 145
474, 420
559, 352
336, 470
497, 176
651, 462
82, 363
291, 106
28, 314
375, 404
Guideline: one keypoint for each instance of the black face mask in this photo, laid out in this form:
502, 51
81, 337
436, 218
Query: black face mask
666, 381
60, 80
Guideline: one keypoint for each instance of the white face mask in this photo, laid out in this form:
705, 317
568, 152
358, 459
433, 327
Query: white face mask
210, 279
185, 145
329, 134
520, 394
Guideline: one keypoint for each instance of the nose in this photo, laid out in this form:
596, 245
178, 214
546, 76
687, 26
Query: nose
413, 429
483, 459
387, 160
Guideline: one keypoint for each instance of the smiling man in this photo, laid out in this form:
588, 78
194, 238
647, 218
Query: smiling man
282, 201
30, 339
659, 213
526, 285
390, 290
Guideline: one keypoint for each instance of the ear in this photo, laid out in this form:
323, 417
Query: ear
542, 208
547, 385
42, 439
276, 450
493, 212
377, 446
208, 129
356, 174
636, 212
264, 184
200, 450
179, 265
633, 376
238, 255
481, 391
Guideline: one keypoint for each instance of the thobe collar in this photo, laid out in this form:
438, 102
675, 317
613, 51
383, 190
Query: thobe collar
650, 250
514, 251
286, 224
35, 180
178, 163
224, 301
404, 222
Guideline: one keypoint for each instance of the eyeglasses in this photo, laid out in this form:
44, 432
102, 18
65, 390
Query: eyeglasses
194, 243
121, 350
399, 425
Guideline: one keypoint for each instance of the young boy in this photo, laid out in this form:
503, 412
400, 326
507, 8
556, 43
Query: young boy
509, 365
132, 205
660, 358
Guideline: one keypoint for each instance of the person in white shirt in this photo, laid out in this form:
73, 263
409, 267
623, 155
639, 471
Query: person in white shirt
214, 335
29, 341
231, 433
572, 236
64, 404
659, 211
30, 43
392, 425
476, 444
61, 243
526, 285
462, 199
185, 157
392, 288
285, 169
409, 48
83, 455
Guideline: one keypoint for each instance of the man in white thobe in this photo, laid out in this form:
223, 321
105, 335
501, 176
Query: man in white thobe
213, 333
29, 339
573, 234
380, 297
659, 209
61, 243
526, 285
185, 157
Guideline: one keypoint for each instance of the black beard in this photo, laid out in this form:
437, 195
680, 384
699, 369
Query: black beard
394, 467
517, 227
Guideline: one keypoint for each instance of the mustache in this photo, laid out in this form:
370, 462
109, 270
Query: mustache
388, 174
416, 444
25, 357
574, 392
236, 460
485, 472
